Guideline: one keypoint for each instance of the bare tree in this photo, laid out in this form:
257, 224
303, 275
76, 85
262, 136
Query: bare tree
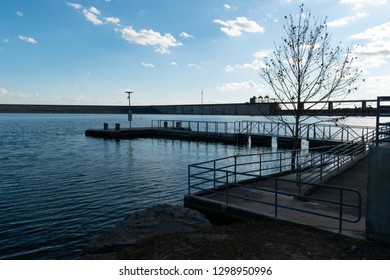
305, 67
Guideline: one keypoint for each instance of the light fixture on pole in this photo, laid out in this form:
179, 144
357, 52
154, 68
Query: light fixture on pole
128, 97
130, 115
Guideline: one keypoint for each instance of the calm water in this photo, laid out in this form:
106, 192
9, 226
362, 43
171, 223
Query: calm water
60, 189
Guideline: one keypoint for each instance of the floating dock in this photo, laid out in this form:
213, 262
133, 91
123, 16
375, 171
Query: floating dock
170, 133
235, 133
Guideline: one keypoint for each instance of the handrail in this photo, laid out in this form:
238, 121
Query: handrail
327, 132
313, 167
382, 128
225, 184
197, 126
307, 130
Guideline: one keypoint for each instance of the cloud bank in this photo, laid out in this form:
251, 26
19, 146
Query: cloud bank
236, 27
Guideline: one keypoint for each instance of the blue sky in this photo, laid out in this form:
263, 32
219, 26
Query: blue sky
168, 51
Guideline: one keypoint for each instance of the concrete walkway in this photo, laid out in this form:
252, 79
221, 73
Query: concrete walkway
243, 202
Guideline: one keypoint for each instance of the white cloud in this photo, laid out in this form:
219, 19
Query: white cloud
112, 20
376, 51
227, 6
94, 11
376, 86
229, 68
92, 16
4, 93
236, 27
358, 4
193, 65
28, 39
71, 99
186, 35
19, 13
5, 40
148, 65
173, 63
150, 38
346, 20
74, 5
380, 31
238, 86
262, 54
254, 65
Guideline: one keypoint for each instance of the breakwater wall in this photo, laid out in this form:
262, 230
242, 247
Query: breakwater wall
209, 109
243, 109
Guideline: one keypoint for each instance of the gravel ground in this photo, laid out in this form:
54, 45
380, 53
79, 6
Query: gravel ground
268, 240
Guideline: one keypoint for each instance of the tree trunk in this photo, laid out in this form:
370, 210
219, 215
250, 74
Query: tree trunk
294, 163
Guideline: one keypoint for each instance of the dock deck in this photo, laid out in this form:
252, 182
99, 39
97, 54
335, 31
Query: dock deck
243, 201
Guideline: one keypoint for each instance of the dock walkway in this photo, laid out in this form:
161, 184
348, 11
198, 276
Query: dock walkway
243, 201
238, 133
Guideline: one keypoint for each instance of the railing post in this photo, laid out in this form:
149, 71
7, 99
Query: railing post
276, 197
260, 167
227, 177
341, 211
214, 174
280, 162
227, 194
235, 169
338, 163
227, 187
321, 164
308, 132
378, 102
189, 179
299, 179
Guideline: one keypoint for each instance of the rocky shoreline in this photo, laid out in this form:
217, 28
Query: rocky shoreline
158, 219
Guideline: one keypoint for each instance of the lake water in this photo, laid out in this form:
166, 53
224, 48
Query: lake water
60, 189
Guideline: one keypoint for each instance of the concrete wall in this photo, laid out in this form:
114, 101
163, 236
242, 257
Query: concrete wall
247, 109
209, 109
378, 195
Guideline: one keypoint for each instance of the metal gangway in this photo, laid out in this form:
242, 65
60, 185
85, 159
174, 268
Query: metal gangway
271, 174
308, 131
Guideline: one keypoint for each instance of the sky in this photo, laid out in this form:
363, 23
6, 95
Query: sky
169, 51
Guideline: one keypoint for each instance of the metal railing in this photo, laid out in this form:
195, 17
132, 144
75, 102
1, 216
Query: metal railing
196, 126
224, 181
329, 131
382, 111
324, 164
313, 167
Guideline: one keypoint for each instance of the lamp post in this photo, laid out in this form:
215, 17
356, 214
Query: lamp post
130, 115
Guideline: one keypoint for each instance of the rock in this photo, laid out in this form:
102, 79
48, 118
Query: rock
162, 218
